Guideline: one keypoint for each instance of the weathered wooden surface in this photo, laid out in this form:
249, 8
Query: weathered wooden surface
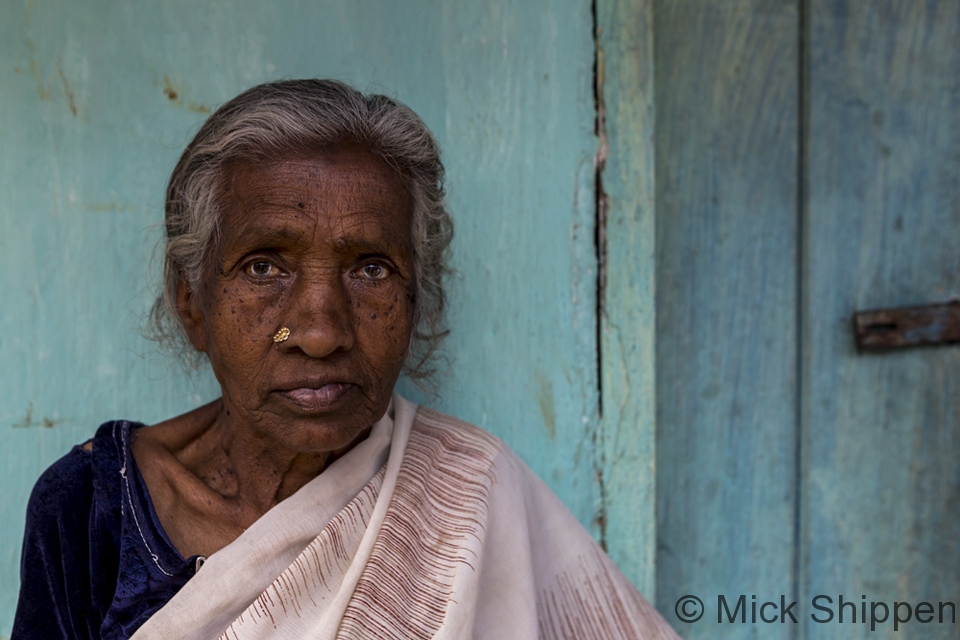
626, 452
882, 431
726, 176
98, 98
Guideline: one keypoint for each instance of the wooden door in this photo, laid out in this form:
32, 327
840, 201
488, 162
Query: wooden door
881, 431
727, 305
808, 163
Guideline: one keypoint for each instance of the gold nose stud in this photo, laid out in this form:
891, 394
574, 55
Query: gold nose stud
281, 335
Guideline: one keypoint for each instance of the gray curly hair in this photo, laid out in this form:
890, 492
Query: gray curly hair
292, 115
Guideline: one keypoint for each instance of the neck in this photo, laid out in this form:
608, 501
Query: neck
256, 470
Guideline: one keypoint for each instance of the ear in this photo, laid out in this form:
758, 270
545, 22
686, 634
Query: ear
190, 314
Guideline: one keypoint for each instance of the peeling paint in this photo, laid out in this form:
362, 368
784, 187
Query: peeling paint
625, 185
42, 92
600, 240
66, 89
28, 420
168, 89
600, 515
600, 197
174, 96
547, 404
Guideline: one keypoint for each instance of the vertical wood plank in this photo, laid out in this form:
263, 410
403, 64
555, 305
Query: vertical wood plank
882, 443
626, 450
726, 219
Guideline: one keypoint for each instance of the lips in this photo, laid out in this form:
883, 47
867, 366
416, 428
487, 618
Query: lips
316, 398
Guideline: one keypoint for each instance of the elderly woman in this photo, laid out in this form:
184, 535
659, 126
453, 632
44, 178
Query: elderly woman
305, 252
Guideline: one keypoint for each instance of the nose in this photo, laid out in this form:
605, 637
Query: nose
320, 316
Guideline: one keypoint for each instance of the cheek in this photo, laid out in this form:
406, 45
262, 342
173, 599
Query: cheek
385, 324
242, 322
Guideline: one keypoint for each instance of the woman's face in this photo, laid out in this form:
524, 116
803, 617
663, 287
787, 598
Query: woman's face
318, 243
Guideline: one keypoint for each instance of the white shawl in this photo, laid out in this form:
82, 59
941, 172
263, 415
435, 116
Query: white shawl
430, 528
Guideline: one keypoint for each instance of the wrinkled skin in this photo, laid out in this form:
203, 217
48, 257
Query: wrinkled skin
319, 243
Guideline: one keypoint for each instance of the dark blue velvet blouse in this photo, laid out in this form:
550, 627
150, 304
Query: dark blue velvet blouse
96, 563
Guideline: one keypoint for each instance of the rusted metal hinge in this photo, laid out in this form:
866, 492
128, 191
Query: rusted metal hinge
932, 324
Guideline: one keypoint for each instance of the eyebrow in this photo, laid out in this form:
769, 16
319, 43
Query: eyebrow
376, 247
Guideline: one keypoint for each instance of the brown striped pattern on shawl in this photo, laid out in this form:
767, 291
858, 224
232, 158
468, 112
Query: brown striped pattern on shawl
439, 502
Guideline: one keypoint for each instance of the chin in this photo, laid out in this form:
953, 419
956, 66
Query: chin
326, 431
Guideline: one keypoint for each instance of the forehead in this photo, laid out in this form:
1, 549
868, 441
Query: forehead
333, 195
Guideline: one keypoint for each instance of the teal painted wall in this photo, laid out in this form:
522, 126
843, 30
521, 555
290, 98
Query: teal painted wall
98, 98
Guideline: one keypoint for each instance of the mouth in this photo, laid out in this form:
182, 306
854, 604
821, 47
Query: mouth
319, 399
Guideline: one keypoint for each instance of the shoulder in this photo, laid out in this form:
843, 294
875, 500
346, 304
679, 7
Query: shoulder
471, 466
435, 424
64, 493
451, 455
62, 485
444, 438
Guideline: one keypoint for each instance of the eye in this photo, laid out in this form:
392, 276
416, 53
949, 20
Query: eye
261, 269
374, 271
